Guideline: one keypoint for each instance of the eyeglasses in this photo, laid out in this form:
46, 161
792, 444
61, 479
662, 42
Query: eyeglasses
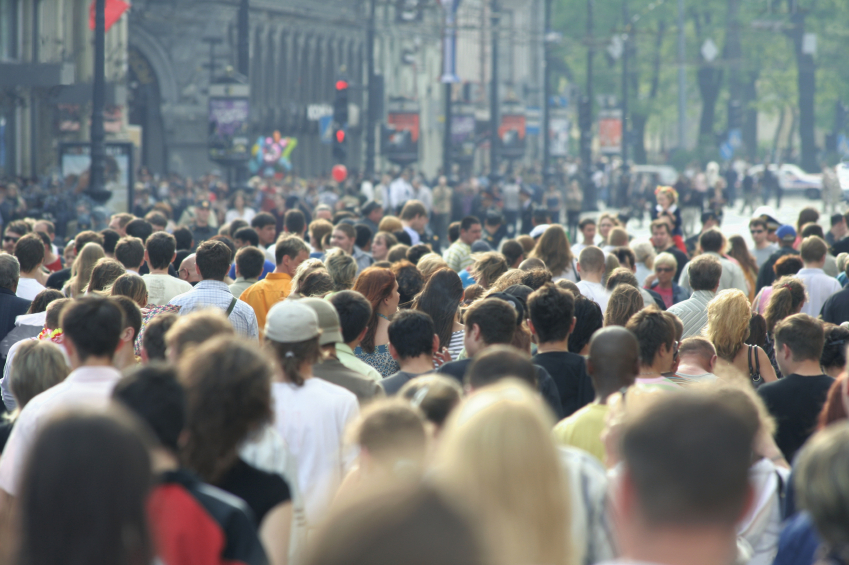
755, 232
10, 238
664, 269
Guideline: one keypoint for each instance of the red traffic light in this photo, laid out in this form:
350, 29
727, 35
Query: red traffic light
341, 85
340, 135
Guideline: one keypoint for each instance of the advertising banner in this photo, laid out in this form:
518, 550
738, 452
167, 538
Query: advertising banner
512, 134
610, 131
401, 134
229, 111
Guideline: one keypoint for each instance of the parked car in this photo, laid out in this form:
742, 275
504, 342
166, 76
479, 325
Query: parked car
793, 179
667, 175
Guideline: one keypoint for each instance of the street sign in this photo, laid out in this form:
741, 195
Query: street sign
534, 123
317, 111
325, 129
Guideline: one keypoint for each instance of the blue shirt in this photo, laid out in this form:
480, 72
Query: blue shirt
268, 267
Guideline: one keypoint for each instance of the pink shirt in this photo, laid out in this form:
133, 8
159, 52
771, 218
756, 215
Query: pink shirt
84, 387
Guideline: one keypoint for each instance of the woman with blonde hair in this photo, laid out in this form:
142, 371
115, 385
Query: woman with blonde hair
390, 224
554, 250
342, 269
304, 269
87, 258
488, 267
37, 366
429, 264
625, 301
727, 329
496, 457
606, 222
644, 254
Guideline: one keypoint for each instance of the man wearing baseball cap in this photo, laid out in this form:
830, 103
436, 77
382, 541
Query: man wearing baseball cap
786, 237
310, 414
330, 368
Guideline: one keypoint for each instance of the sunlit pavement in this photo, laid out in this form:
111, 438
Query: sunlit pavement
734, 222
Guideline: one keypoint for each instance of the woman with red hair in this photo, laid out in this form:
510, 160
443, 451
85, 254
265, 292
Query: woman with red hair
380, 288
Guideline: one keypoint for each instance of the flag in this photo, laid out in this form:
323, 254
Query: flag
113, 12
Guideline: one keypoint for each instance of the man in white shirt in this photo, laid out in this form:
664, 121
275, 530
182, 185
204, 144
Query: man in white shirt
591, 269
684, 481
712, 242
423, 194
705, 272
159, 252
763, 246
92, 329
29, 250
819, 285
400, 191
696, 362
587, 228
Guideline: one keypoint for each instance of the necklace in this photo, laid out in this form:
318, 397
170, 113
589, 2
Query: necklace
384, 317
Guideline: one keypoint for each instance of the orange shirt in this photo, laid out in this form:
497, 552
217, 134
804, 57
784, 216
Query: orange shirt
265, 294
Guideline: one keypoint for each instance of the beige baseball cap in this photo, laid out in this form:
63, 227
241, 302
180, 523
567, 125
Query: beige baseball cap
291, 321
328, 320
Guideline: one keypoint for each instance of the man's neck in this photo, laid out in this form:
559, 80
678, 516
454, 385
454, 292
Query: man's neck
591, 277
417, 365
353, 344
682, 546
691, 367
554, 346
92, 362
157, 271
30, 274
652, 371
809, 368
281, 270
818, 265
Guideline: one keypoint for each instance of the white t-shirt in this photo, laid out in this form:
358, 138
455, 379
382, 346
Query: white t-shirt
312, 419
596, 292
28, 288
162, 288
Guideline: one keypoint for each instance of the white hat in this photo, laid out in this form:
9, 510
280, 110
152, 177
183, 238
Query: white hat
289, 321
537, 231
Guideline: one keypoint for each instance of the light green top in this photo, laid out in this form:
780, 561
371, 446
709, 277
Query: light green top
583, 430
346, 357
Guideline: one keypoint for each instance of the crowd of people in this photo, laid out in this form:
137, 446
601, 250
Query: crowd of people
377, 378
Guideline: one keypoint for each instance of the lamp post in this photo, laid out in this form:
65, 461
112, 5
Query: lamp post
494, 113
98, 101
546, 93
449, 77
371, 117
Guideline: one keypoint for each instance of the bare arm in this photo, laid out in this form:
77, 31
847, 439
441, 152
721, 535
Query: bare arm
275, 532
767, 372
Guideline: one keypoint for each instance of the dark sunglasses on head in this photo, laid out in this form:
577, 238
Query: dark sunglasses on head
664, 269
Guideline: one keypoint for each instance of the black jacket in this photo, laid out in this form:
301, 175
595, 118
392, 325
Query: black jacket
545, 384
11, 306
766, 275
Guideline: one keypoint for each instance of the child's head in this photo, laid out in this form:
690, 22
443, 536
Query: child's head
666, 196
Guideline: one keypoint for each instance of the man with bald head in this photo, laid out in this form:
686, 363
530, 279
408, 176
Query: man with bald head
188, 270
613, 364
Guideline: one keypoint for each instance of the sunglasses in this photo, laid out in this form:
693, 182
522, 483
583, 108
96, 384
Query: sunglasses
755, 232
664, 269
10, 238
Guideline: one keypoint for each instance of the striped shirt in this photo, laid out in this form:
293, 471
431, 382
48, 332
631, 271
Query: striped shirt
216, 294
458, 256
693, 312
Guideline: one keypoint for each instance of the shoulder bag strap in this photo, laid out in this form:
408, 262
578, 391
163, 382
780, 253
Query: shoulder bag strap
232, 305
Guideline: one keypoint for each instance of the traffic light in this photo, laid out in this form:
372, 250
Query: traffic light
340, 121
